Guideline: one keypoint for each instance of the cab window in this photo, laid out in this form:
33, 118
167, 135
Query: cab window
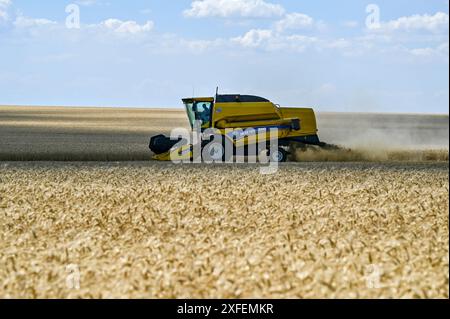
202, 111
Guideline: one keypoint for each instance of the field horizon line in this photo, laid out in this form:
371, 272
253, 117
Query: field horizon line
180, 109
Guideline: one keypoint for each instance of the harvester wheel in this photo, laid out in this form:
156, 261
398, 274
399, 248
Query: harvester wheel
279, 156
213, 152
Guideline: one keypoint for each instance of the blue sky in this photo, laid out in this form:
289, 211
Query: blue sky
349, 55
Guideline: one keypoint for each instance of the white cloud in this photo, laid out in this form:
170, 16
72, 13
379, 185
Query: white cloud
230, 8
433, 23
423, 51
127, 27
274, 39
268, 40
298, 43
426, 47
25, 22
440, 51
21, 21
112, 25
294, 21
4, 5
254, 38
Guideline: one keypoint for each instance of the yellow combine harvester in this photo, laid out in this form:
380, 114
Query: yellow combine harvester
240, 121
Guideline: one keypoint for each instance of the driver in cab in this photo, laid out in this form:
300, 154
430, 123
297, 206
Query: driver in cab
202, 113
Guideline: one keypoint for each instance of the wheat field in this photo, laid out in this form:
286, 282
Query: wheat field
367, 221
156, 230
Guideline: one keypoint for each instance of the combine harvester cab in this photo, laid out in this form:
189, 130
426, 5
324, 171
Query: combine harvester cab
239, 120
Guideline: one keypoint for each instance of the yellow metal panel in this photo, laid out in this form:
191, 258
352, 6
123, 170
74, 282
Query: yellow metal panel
183, 153
260, 114
307, 118
241, 112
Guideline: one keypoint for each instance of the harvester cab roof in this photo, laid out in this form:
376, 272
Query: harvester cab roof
227, 98
237, 98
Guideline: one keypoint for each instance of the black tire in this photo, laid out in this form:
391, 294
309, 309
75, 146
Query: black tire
280, 155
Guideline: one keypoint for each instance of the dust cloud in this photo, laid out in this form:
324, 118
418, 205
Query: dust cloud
380, 137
